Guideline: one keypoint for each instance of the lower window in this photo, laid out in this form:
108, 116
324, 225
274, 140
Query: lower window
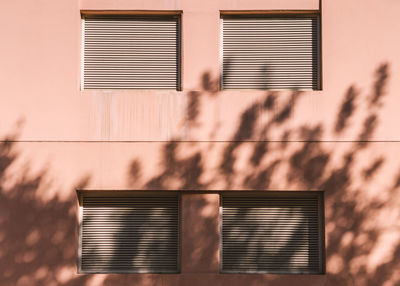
274, 232
124, 232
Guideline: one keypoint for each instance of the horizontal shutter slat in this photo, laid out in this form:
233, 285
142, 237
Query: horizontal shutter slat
271, 233
130, 235
139, 43
271, 52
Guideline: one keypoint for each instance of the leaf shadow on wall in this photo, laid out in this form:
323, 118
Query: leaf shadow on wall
311, 164
39, 239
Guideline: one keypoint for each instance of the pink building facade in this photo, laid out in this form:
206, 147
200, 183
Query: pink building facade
59, 139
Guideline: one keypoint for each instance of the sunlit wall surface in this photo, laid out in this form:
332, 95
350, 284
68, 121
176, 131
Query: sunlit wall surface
340, 140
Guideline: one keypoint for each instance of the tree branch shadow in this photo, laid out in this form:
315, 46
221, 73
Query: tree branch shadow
39, 238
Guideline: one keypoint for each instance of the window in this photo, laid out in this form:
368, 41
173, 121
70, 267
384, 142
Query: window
131, 52
124, 232
277, 232
271, 51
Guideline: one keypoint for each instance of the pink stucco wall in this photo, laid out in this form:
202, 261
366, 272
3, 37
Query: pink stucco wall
57, 138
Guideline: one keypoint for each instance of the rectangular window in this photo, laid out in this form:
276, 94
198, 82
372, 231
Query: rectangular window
271, 51
131, 52
124, 232
275, 232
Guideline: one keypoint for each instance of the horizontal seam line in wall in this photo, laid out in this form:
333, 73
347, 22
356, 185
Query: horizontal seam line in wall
200, 141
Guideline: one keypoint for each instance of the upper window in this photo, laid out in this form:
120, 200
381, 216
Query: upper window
131, 52
271, 52
124, 232
272, 233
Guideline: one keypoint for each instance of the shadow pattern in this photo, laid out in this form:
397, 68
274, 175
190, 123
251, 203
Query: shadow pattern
46, 249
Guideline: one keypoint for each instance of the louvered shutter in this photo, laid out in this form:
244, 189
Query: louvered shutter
271, 234
129, 235
271, 52
131, 52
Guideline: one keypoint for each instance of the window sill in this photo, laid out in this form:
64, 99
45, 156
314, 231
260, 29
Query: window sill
128, 92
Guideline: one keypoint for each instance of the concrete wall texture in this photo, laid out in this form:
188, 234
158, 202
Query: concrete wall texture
55, 139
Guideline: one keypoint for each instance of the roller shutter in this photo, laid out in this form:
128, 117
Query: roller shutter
131, 52
129, 235
272, 234
271, 52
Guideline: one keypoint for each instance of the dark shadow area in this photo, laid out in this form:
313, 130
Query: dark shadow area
247, 123
130, 234
209, 84
259, 150
347, 109
270, 100
375, 166
310, 166
37, 237
370, 125
200, 231
379, 87
193, 109
134, 172
261, 179
186, 171
287, 110
274, 234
